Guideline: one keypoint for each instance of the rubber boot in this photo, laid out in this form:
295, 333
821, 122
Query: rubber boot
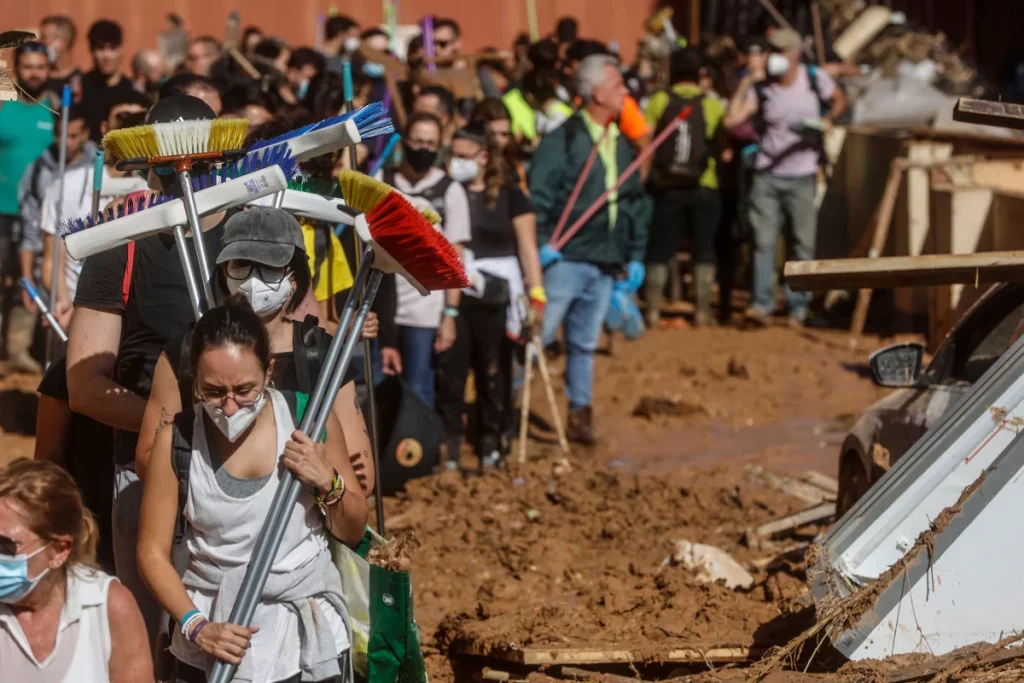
20, 334
704, 281
580, 427
657, 278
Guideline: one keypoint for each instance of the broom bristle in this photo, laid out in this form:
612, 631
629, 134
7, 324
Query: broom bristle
423, 251
433, 217
131, 143
228, 134
362, 192
324, 188
126, 206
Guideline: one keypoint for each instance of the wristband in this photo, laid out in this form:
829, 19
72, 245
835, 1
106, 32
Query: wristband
451, 312
194, 618
195, 632
184, 619
538, 294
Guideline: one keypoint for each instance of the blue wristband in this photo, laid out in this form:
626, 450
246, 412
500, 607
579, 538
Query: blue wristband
188, 616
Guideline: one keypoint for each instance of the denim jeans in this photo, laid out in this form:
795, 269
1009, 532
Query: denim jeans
774, 202
416, 345
578, 296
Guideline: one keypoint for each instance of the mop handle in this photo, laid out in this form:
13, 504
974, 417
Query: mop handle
97, 184
313, 422
43, 308
630, 170
580, 182
62, 164
383, 158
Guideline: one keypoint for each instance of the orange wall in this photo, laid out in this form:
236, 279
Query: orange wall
484, 22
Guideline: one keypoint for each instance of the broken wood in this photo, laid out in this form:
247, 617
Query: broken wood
693, 654
807, 492
585, 675
988, 113
941, 664
489, 674
906, 271
766, 562
822, 481
797, 520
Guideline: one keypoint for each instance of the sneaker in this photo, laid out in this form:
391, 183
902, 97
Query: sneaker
580, 427
491, 461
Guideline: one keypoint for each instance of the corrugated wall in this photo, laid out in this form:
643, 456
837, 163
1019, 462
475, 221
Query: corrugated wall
484, 22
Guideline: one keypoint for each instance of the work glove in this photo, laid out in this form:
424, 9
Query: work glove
549, 255
623, 314
635, 274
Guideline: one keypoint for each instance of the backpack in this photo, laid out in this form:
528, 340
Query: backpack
181, 450
682, 159
759, 90
434, 195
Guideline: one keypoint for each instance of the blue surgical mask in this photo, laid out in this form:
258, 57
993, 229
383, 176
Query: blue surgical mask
14, 581
373, 70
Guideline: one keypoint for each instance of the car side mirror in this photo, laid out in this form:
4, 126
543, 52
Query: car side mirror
898, 365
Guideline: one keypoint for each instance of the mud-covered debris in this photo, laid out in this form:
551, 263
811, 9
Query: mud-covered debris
649, 407
709, 564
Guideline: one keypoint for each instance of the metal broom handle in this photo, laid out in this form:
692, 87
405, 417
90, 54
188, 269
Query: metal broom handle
58, 244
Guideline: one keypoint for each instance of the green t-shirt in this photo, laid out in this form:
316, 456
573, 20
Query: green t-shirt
714, 112
524, 118
26, 130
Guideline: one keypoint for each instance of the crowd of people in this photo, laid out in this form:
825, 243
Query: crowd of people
174, 429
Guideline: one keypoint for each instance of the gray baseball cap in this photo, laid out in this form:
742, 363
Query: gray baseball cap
262, 235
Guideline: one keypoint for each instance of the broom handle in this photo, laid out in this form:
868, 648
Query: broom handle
38, 300
371, 403
58, 244
428, 43
313, 422
190, 275
630, 170
574, 197
189, 199
97, 185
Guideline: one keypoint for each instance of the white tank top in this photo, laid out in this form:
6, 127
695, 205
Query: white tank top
81, 653
222, 534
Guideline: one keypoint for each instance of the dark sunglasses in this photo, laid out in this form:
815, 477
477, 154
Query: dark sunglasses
442, 44
8, 546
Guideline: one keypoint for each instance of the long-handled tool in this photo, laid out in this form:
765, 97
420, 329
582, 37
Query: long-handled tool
58, 253
43, 308
400, 241
429, 50
371, 403
535, 353
623, 177
97, 184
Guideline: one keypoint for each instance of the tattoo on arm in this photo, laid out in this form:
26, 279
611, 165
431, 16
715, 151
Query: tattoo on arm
165, 419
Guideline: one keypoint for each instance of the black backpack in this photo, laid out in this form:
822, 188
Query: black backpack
682, 159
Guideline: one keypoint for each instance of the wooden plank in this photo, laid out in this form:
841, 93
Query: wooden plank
797, 520
822, 481
808, 493
906, 271
698, 653
988, 113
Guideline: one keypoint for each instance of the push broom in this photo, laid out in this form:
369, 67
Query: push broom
398, 240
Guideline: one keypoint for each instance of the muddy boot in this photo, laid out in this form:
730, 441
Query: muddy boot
580, 427
657, 278
20, 334
704, 281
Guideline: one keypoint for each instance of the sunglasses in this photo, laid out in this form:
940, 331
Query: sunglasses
8, 546
442, 44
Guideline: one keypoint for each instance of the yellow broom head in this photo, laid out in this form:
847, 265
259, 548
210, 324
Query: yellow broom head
176, 138
364, 193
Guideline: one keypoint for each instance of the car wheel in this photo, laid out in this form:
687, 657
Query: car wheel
853, 484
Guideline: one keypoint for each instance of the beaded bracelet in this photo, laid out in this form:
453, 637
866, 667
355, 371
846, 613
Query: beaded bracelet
332, 496
193, 619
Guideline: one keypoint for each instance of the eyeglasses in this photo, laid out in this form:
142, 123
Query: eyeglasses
416, 143
442, 44
217, 397
243, 270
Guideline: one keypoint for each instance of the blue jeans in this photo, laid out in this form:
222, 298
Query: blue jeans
578, 295
774, 202
416, 345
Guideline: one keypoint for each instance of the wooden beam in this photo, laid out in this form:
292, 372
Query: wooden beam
822, 481
987, 113
906, 271
695, 653
797, 520
819, 35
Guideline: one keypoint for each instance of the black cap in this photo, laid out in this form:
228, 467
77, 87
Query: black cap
262, 235
179, 108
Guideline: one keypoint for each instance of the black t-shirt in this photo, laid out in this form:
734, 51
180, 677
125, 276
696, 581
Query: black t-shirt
158, 308
491, 231
96, 96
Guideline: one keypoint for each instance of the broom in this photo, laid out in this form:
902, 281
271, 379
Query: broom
332, 134
179, 146
363, 193
43, 308
399, 240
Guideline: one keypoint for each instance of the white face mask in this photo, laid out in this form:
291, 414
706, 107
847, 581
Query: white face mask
351, 44
239, 423
265, 299
464, 170
778, 64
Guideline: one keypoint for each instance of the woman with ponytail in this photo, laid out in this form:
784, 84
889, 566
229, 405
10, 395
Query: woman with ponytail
61, 619
504, 266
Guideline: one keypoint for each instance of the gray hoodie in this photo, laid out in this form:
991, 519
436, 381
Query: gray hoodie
40, 175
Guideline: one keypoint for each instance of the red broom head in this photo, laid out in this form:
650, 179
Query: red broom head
423, 251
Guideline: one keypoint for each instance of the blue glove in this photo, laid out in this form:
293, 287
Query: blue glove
549, 255
632, 320
635, 274
615, 317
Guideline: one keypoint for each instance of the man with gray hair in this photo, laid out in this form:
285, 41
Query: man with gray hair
149, 71
579, 277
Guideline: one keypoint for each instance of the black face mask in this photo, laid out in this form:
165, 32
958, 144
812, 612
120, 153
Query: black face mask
420, 159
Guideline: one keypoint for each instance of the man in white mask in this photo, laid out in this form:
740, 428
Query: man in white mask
791, 106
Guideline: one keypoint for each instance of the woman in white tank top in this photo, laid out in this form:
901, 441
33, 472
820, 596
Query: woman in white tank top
240, 428
61, 620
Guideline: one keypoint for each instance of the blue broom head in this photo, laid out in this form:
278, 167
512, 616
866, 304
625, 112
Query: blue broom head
254, 160
371, 120
128, 207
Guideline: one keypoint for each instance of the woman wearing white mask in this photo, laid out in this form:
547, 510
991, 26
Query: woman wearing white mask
263, 257
501, 254
233, 440
61, 619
